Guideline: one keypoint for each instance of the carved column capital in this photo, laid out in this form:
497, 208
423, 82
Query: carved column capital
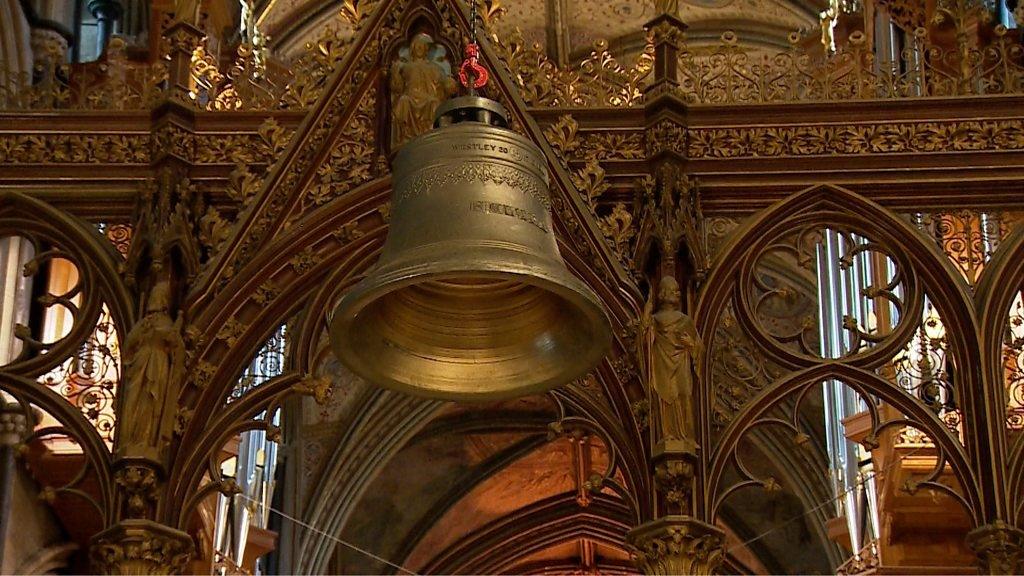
677, 545
999, 546
13, 425
141, 547
49, 47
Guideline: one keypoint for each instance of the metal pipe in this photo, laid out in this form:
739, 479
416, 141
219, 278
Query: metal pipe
106, 12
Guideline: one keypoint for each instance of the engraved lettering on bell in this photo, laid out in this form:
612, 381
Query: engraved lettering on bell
470, 304
505, 209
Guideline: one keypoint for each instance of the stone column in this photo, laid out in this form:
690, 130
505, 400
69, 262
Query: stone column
675, 541
999, 546
13, 427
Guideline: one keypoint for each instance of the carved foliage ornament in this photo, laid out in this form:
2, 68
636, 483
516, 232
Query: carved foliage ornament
141, 547
677, 545
999, 546
884, 138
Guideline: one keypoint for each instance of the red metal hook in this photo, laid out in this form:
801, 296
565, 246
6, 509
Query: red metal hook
471, 67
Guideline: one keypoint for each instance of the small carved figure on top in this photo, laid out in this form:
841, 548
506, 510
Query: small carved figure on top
187, 11
421, 79
154, 355
666, 7
670, 350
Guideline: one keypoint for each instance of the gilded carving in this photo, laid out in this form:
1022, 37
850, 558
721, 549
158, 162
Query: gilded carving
677, 545
351, 159
213, 230
305, 261
612, 145
203, 374
849, 139
170, 139
135, 547
51, 148
266, 293
618, 229
590, 182
139, 485
348, 232
319, 387
665, 136
999, 546
599, 80
420, 80
673, 202
673, 478
231, 331
562, 135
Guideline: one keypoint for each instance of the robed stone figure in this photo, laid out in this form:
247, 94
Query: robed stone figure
670, 353
154, 355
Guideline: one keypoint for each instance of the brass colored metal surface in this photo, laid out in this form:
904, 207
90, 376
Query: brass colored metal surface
470, 299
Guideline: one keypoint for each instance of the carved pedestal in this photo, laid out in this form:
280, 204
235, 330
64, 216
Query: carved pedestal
140, 547
677, 545
674, 462
999, 546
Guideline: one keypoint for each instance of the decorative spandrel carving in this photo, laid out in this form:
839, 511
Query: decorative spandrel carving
155, 366
1013, 363
670, 349
352, 157
739, 371
420, 80
968, 237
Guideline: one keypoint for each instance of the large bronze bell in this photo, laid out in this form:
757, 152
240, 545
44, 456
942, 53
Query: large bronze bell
470, 299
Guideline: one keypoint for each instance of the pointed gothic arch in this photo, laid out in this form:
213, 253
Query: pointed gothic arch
933, 274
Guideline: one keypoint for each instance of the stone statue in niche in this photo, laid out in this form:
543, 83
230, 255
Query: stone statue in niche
670, 350
154, 354
421, 79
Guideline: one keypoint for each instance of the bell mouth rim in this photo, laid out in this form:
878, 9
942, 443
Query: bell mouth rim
568, 290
